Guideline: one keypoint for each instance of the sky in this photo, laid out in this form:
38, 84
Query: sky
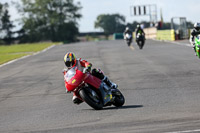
92, 8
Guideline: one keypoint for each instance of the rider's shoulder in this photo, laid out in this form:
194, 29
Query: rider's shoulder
80, 59
193, 29
193, 32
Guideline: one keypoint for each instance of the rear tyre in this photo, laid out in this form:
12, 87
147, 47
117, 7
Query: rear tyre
119, 98
92, 98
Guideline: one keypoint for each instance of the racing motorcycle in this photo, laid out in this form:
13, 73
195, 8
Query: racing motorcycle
197, 46
91, 89
128, 38
140, 40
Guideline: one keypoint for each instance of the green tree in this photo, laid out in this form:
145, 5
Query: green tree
110, 23
5, 24
1, 12
166, 26
54, 20
133, 25
190, 25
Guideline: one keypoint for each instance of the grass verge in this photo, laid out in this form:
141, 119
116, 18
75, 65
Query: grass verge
11, 52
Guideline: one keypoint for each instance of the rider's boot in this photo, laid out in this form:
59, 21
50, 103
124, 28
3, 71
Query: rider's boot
109, 83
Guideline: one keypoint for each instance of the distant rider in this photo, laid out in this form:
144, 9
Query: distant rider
195, 32
139, 30
127, 30
71, 62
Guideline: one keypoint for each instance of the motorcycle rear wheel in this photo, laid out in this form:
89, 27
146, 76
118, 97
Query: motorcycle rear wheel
93, 101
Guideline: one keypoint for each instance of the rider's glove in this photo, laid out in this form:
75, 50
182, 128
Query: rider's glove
89, 67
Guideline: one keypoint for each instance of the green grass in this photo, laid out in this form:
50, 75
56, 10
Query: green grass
8, 57
11, 52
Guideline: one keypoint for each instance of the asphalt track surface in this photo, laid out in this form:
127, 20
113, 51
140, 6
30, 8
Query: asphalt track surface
161, 85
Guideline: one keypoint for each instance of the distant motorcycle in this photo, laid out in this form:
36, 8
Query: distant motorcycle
92, 90
140, 40
197, 45
128, 38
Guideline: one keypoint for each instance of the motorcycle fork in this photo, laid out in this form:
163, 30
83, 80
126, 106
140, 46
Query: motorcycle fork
77, 90
106, 94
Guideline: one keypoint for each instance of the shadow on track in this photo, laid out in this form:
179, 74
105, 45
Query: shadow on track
113, 107
124, 107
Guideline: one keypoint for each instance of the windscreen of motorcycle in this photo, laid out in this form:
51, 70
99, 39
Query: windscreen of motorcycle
69, 74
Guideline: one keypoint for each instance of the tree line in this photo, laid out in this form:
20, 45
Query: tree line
116, 23
5, 25
55, 20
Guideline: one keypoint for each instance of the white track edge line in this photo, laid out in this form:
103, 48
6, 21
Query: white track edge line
183, 44
188, 131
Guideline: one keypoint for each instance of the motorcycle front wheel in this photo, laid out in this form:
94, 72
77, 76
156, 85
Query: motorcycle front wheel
92, 98
119, 98
140, 44
129, 43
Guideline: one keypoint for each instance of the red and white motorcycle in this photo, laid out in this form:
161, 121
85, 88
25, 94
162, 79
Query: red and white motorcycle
91, 89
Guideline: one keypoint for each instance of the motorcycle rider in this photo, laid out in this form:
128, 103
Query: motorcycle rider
195, 31
127, 30
71, 61
139, 30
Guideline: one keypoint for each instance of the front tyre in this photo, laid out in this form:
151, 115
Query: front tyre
119, 98
140, 44
92, 98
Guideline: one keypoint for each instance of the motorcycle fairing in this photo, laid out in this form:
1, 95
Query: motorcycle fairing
74, 77
93, 81
74, 81
197, 45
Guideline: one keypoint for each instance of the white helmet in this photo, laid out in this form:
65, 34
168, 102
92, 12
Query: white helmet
138, 26
197, 26
127, 28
